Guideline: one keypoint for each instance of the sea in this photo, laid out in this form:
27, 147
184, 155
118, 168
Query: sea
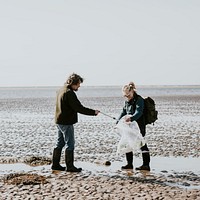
99, 91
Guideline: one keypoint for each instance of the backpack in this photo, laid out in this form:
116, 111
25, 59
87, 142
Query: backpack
150, 112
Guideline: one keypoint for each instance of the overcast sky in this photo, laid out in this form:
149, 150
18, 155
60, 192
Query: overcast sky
108, 42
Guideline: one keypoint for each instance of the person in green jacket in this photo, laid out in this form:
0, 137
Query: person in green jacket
67, 108
134, 108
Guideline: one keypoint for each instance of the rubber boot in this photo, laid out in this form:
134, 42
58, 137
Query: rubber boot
69, 159
146, 161
129, 158
56, 160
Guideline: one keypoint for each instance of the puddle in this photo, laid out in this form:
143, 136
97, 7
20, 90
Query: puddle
21, 168
180, 164
158, 164
169, 167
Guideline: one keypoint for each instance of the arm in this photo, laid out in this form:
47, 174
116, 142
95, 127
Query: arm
77, 106
123, 113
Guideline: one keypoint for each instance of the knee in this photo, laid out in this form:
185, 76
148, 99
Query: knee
70, 147
60, 145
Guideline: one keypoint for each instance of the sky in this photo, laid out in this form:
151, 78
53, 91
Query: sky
107, 42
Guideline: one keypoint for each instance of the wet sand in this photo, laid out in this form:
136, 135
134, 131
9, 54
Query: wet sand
27, 129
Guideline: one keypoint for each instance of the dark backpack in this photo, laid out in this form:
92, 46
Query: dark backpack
150, 112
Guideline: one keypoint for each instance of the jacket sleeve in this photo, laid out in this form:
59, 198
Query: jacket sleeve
138, 110
123, 113
77, 106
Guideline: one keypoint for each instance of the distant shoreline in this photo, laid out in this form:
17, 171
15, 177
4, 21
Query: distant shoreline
104, 86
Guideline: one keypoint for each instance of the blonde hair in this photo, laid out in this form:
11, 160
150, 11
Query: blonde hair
127, 89
132, 85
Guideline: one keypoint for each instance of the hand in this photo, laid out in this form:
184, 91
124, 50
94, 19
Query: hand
127, 119
97, 112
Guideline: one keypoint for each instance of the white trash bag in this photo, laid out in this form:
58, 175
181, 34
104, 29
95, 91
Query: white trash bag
131, 138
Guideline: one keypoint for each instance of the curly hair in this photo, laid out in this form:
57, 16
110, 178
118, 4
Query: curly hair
74, 79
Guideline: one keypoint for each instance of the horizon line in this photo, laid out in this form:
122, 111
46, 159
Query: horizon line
138, 86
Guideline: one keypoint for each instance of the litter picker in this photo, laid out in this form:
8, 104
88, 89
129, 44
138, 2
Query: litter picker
108, 115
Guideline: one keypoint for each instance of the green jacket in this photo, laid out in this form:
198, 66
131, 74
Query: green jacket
67, 107
135, 108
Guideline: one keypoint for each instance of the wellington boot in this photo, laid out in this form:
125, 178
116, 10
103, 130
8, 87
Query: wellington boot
129, 158
146, 161
127, 167
56, 160
58, 167
143, 167
74, 169
69, 159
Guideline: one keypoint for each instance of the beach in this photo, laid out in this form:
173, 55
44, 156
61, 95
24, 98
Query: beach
28, 130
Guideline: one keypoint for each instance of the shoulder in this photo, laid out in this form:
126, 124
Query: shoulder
138, 97
70, 92
140, 100
64, 91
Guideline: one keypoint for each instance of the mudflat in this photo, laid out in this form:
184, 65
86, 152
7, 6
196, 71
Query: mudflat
28, 130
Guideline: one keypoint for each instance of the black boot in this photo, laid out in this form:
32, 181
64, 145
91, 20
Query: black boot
69, 159
56, 160
129, 158
146, 161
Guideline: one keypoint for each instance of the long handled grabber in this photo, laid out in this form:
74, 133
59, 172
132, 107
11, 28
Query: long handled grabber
108, 115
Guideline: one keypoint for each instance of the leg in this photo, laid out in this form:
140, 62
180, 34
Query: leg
56, 160
57, 153
69, 152
69, 159
129, 158
146, 159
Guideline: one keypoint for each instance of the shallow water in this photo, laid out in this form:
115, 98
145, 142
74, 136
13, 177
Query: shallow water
172, 171
158, 165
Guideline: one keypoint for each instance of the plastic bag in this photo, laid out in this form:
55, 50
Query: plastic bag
131, 138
